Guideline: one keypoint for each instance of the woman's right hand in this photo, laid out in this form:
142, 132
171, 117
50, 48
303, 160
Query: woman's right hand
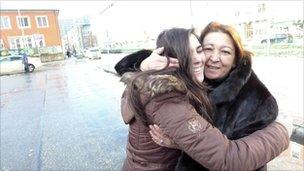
160, 138
156, 61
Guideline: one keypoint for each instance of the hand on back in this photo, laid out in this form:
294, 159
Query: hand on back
160, 138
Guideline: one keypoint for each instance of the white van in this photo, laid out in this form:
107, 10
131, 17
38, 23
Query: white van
92, 53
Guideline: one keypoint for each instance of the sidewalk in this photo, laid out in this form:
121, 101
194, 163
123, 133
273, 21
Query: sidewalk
290, 159
60, 62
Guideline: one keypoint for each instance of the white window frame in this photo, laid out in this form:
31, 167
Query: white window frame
36, 42
28, 19
12, 43
46, 19
9, 22
27, 42
23, 42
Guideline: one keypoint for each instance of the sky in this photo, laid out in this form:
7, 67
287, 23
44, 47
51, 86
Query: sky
68, 9
133, 18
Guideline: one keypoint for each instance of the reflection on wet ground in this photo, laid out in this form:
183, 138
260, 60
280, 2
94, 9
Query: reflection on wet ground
66, 118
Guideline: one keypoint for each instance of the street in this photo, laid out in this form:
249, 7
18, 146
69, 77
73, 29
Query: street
63, 118
66, 116
284, 79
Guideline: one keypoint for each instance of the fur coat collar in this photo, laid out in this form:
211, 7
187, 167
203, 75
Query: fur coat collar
230, 87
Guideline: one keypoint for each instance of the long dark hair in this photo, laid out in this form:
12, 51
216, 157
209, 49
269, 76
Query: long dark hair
176, 44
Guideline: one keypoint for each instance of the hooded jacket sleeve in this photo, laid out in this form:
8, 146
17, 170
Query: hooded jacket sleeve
126, 112
131, 62
209, 147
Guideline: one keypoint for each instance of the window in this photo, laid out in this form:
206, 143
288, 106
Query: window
42, 21
18, 43
39, 40
23, 22
249, 30
29, 42
237, 13
12, 43
261, 8
5, 22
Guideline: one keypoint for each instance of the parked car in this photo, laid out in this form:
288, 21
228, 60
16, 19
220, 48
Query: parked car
13, 64
79, 55
278, 38
92, 53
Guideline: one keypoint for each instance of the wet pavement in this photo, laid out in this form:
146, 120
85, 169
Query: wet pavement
66, 115
63, 117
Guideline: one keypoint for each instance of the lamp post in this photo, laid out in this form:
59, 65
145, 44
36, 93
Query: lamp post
107, 31
21, 27
191, 13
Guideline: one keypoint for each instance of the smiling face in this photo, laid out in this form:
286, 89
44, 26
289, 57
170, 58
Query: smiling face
220, 55
198, 58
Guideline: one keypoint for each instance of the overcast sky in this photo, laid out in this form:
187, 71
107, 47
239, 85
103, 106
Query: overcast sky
129, 18
68, 9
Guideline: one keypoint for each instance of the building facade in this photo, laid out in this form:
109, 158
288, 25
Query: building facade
80, 37
256, 22
88, 39
76, 34
67, 24
29, 29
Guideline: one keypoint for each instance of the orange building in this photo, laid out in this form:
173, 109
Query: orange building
29, 28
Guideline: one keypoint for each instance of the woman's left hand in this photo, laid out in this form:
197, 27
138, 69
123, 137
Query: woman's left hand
160, 138
157, 62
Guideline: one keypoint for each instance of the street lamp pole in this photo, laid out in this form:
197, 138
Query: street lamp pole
108, 7
108, 41
19, 16
21, 27
107, 31
191, 13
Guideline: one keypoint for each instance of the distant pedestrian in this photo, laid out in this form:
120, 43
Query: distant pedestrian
25, 61
68, 53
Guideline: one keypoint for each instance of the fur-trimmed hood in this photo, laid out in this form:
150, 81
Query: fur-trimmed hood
231, 86
155, 85
150, 87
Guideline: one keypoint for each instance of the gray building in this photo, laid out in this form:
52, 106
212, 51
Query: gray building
67, 24
80, 37
76, 33
88, 40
